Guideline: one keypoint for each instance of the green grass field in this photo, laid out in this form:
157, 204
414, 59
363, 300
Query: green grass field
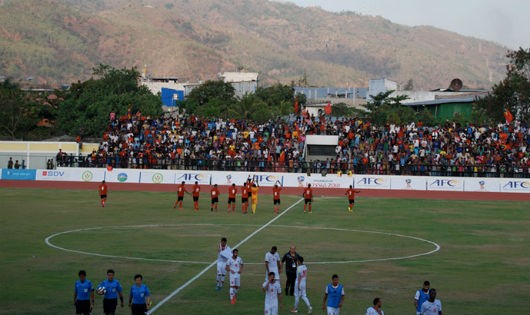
482, 266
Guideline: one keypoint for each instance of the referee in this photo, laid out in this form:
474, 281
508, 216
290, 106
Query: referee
113, 290
290, 262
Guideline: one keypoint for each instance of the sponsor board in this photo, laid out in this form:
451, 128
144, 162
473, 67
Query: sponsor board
372, 182
445, 183
515, 185
239, 178
18, 174
191, 177
317, 180
408, 183
122, 175
481, 184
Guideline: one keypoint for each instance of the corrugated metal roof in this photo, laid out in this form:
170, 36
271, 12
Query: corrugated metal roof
442, 101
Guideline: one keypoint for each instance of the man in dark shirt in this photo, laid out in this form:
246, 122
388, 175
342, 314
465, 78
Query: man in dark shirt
290, 262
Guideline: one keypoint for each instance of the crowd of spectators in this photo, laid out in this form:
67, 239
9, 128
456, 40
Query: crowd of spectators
180, 141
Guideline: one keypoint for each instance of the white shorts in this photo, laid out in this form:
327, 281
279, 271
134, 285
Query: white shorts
333, 310
221, 268
235, 280
271, 309
301, 292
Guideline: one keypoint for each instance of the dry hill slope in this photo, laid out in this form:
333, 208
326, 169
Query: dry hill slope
58, 41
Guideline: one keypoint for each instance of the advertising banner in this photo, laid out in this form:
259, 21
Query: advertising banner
372, 181
317, 180
18, 174
445, 183
122, 175
157, 177
482, 184
408, 183
515, 185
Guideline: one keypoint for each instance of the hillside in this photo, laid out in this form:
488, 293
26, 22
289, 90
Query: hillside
59, 41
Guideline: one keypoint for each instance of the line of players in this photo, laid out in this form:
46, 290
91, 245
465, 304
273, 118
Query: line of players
249, 190
110, 289
229, 261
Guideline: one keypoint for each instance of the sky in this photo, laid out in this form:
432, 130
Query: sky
506, 22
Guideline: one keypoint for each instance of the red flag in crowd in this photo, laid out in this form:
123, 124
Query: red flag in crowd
296, 105
327, 109
508, 116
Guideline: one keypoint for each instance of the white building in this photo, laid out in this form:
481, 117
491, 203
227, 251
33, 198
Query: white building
243, 82
376, 86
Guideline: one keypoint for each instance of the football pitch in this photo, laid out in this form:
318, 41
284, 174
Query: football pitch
475, 253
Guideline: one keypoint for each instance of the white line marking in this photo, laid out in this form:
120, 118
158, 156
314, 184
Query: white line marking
182, 287
49, 243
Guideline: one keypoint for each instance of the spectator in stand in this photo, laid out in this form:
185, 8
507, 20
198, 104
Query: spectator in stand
17, 165
10, 163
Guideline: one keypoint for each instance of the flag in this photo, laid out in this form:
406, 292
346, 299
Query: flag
296, 108
508, 116
327, 109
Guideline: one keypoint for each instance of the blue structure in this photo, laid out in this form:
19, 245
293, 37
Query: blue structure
171, 97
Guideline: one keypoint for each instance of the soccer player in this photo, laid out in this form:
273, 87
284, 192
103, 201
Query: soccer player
276, 197
234, 265
214, 193
333, 297
273, 294
432, 306
376, 309
272, 263
308, 198
113, 290
232, 191
103, 189
180, 195
300, 288
223, 254
254, 197
244, 198
83, 294
195, 194
421, 296
351, 197
139, 297
249, 185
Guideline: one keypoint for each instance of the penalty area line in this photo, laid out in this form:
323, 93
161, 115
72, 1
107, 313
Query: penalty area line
197, 276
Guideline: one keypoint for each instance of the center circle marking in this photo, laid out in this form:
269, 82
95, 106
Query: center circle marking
48, 241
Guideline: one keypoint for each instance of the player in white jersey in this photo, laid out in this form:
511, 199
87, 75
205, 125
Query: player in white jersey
234, 266
273, 294
272, 264
300, 287
223, 253
432, 306
376, 308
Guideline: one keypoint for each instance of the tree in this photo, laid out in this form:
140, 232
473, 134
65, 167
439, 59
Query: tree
18, 112
512, 93
211, 94
86, 107
385, 109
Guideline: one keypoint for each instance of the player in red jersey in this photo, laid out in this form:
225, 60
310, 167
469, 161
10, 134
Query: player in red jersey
103, 189
308, 198
214, 193
276, 197
244, 198
195, 194
351, 197
232, 192
180, 195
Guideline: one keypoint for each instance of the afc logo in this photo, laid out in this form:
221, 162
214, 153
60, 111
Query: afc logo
192, 177
444, 183
265, 178
516, 184
371, 181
